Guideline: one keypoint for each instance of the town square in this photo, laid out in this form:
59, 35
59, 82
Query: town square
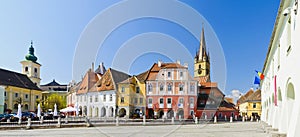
149, 68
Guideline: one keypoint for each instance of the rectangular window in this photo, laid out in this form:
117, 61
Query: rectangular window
181, 101
181, 74
5, 93
122, 99
161, 87
254, 105
192, 89
96, 98
149, 100
149, 87
26, 96
180, 87
123, 89
169, 100
110, 97
169, 74
137, 89
141, 100
36, 97
135, 100
161, 101
16, 95
91, 99
169, 87
104, 97
84, 98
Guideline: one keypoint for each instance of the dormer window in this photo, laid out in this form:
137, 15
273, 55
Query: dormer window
35, 70
26, 69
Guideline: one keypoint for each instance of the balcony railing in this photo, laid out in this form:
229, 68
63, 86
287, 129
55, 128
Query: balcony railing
161, 105
180, 105
169, 105
150, 105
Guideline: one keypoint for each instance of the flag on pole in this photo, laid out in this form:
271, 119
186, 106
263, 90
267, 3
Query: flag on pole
256, 80
261, 75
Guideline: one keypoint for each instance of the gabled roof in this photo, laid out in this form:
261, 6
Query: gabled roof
152, 74
109, 80
88, 82
10, 78
250, 96
143, 76
256, 96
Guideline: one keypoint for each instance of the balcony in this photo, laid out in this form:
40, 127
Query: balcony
150, 92
192, 106
161, 105
180, 92
150, 105
180, 105
169, 105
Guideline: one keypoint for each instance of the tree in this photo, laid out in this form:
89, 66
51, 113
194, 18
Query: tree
55, 99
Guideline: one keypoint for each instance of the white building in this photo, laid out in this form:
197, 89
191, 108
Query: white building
280, 101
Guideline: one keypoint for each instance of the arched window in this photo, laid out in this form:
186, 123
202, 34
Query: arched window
169, 87
290, 91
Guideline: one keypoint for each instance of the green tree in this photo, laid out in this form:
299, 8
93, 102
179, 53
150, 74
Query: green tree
60, 101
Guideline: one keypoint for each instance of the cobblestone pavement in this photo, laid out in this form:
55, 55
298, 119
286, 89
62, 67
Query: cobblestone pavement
239, 129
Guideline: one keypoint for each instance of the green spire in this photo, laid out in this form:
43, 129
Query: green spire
30, 56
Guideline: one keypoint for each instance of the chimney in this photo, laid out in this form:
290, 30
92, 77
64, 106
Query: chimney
178, 62
93, 66
159, 63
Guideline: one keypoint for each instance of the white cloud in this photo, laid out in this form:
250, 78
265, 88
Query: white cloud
235, 94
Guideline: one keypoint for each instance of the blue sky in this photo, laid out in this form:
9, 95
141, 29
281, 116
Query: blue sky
243, 28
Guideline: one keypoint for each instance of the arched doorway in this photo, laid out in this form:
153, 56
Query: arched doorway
290, 95
96, 112
150, 113
180, 113
170, 114
111, 112
160, 113
90, 112
122, 112
84, 110
103, 112
80, 110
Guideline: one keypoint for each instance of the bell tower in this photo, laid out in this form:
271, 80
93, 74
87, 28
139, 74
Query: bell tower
31, 67
202, 60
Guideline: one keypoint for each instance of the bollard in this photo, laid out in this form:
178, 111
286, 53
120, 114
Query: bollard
20, 121
180, 118
88, 123
205, 117
235, 117
256, 120
58, 122
225, 118
173, 120
231, 119
215, 119
243, 119
117, 121
144, 120
42, 119
8, 120
196, 120
66, 119
251, 119
28, 126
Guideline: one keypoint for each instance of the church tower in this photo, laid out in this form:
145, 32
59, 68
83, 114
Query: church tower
202, 61
31, 67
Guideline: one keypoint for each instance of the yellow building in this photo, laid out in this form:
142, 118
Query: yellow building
131, 96
22, 88
19, 89
250, 104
